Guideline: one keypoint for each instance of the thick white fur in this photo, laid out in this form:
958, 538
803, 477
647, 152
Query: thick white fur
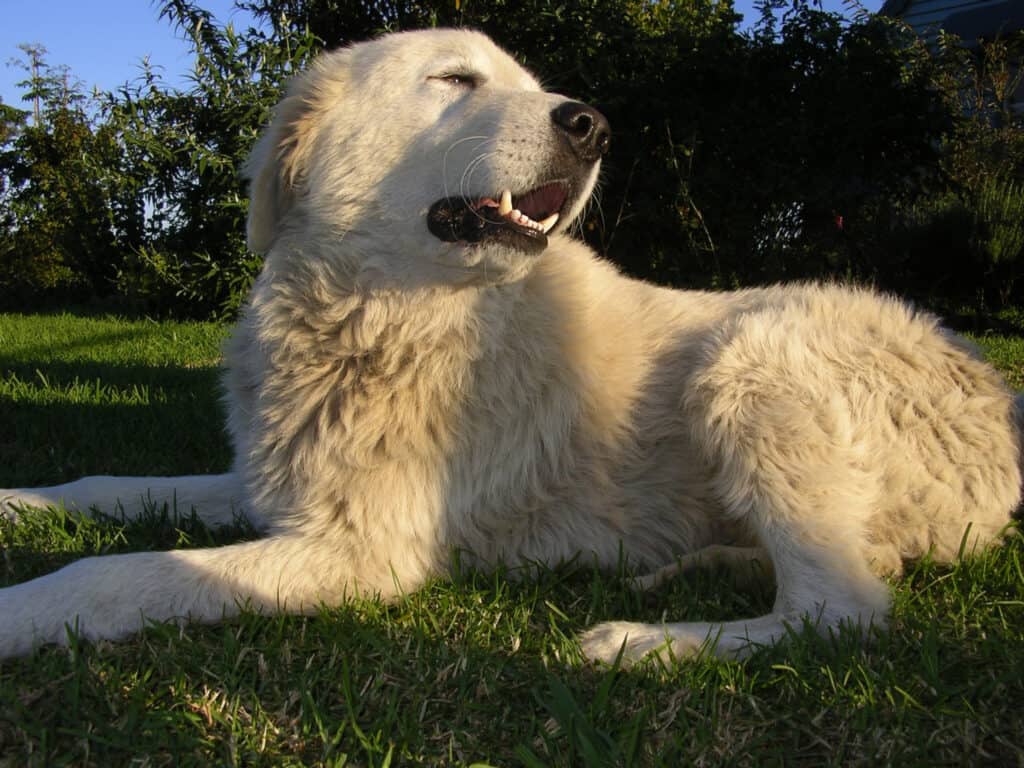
392, 397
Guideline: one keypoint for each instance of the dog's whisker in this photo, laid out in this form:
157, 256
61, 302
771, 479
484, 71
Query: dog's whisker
453, 145
467, 175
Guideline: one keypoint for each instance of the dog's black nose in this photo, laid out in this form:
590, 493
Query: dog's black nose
587, 129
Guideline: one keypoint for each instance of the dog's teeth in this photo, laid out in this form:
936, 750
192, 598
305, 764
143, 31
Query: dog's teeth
505, 206
516, 216
549, 222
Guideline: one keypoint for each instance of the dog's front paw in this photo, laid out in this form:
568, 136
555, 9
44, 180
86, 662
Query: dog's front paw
95, 597
636, 642
28, 618
10, 501
13, 499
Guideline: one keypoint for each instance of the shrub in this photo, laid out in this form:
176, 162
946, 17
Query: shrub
811, 147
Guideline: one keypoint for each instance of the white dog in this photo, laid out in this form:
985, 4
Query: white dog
429, 363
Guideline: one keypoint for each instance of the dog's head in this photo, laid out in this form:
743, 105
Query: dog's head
423, 158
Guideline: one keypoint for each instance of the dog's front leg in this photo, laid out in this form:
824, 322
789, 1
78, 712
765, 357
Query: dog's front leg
115, 595
216, 499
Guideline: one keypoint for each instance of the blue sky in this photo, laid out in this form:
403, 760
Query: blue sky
103, 42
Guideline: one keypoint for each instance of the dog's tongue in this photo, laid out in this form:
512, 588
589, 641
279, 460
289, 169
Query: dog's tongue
542, 203
537, 210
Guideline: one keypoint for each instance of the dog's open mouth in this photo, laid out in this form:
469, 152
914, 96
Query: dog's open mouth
520, 221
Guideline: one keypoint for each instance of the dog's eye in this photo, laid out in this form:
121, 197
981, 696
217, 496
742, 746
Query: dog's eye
460, 80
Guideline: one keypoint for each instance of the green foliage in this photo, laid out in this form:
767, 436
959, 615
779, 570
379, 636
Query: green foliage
183, 152
1000, 213
959, 240
813, 146
56, 194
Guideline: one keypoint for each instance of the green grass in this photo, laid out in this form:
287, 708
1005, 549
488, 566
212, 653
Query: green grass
480, 668
92, 396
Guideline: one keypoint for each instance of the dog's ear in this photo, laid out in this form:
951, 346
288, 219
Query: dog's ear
277, 166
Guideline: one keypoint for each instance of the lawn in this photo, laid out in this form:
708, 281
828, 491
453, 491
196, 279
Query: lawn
478, 669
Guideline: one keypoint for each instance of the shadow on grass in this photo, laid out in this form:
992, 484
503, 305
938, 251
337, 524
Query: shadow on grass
63, 421
45, 352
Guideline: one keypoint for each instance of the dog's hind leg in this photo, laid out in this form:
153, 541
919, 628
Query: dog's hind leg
215, 499
112, 596
812, 588
822, 578
791, 465
748, 566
